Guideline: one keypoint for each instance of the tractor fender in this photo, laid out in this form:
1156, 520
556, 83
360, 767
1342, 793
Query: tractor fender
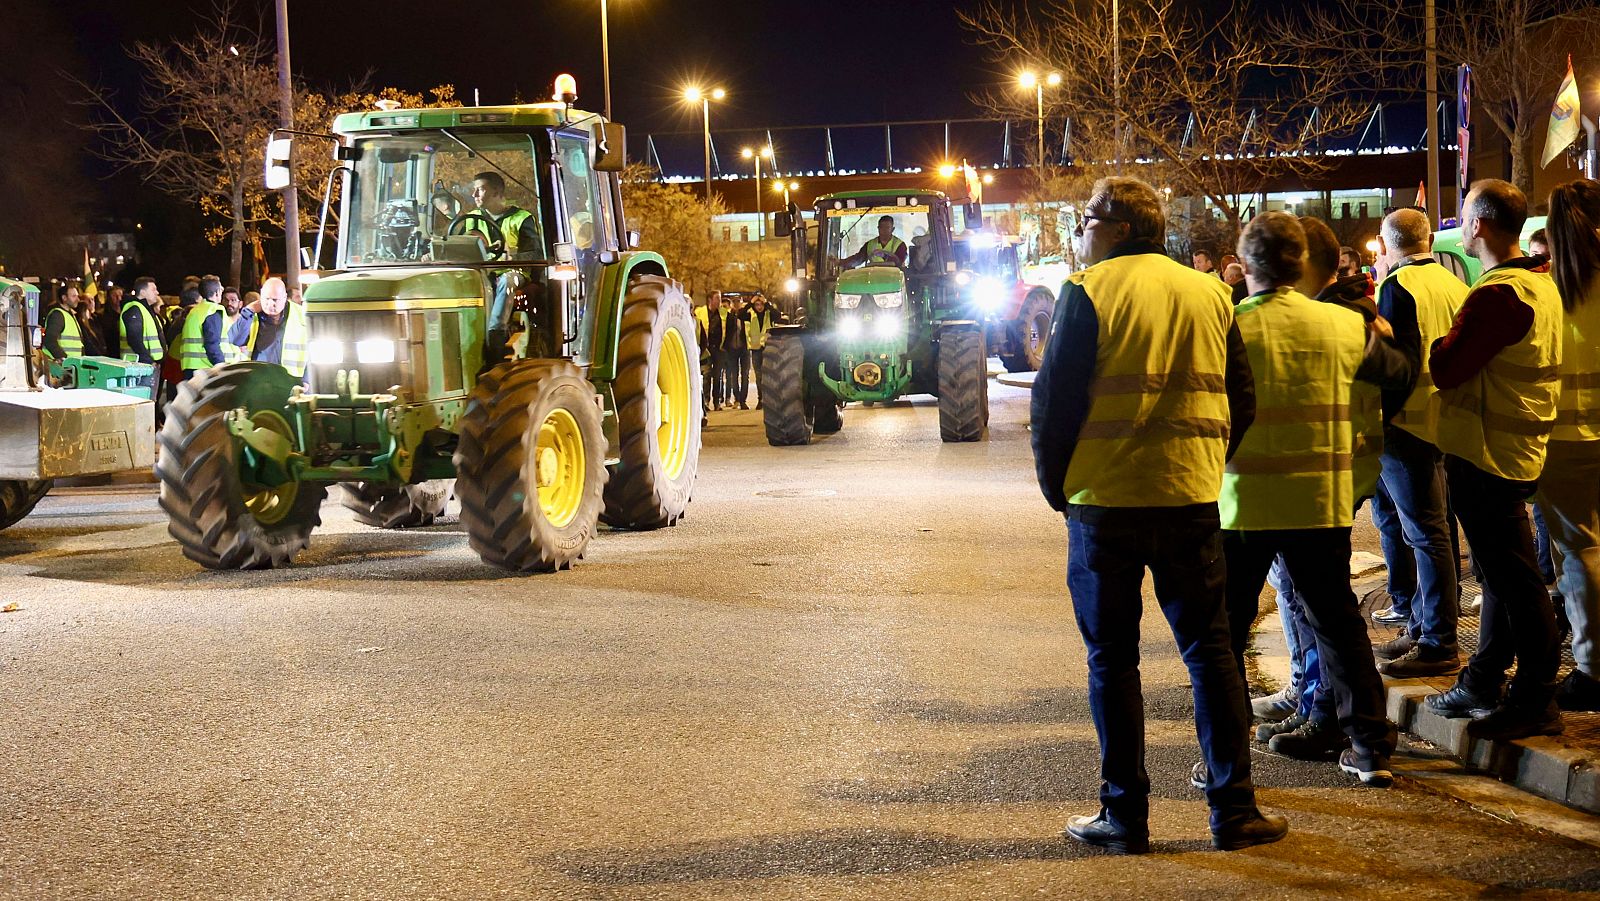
605, 306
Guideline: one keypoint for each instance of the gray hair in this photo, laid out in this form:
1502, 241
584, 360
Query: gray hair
1273, 247
1132, 201
1407, 231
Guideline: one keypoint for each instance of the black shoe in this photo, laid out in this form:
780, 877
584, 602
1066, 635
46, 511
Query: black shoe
1266, 731
1388, 617
1314, 740
1099, 831
1261, 829
1507, 723
1421, 660
1578, 692
743, 405
1459, 702
1390, 650
1373, 771
1200, 776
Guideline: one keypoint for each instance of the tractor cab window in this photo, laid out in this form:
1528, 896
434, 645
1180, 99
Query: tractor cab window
411, 199
853, 237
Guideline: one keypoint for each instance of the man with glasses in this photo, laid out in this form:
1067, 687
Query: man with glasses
1144, 392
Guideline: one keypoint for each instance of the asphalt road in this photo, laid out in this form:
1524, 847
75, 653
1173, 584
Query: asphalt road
851, 672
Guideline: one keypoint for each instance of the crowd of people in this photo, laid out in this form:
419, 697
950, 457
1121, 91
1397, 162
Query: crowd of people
732, 336
206, 324
1225, 440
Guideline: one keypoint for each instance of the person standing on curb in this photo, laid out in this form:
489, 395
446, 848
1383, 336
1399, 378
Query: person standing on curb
1289, 489
1498, 375
1144, 381
1569, 487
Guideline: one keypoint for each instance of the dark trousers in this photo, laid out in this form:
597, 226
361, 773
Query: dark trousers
715, 388
1318, 561
738, 375
1516, 622
755, 362
1108, 551
1413, 477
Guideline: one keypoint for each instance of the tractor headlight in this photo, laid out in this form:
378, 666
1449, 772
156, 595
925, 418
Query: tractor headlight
888, 301
988, 294
326, 351
847, 301
850, 329
886, 326
375, 350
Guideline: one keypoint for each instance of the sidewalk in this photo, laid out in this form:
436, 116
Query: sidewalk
1565, 769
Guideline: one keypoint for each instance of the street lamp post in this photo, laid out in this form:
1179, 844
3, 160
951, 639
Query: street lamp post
605, 55
1029, 79
704, 98
751, 153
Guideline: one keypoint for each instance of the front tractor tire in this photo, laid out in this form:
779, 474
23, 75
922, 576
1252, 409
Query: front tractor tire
220, 511
1030, 333
530, 466
397, 506
963, 383
785, 409
658, 399
18, 498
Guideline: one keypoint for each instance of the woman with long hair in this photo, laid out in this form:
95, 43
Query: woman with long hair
1569, 488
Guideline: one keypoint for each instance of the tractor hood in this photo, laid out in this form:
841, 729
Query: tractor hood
871, 280
435, 286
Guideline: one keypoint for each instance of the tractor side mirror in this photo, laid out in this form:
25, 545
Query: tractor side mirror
633, 237
782, 225
974, 215
611, 147
278, 175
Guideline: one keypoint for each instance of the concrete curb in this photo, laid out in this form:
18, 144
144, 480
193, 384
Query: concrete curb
1546, 767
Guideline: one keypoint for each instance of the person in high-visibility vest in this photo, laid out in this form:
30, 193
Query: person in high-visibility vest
274, 329
1289, 489
1307, 696
200, 341
1144, 387
1498, 375
1419, 298
63, 337
883, 250
520, 237
232, 305
141, 330
1569, 487
758, 323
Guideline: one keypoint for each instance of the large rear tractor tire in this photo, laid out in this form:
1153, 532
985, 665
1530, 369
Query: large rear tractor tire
18, 498
826, 418
221, 514
1031, 332
785, 411
658, 408
530, 467
963, 384
397, 506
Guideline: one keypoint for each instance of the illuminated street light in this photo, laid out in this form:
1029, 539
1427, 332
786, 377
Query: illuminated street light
694, 94
1030, 79
750, 153
784, 187
947, 170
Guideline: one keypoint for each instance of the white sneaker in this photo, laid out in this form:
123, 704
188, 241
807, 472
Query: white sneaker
1274, 707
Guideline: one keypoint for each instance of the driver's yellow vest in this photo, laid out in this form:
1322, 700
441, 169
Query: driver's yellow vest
1293, 468
1501, 418
510, 228
887, 251
71, 336
1157, 428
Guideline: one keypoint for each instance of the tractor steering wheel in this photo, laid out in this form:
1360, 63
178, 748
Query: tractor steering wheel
497, 238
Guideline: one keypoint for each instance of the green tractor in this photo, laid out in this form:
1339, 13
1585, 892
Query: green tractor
882, 325
552, 373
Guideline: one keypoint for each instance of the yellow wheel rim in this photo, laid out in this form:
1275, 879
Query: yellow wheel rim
674, 404
269, 504
559, 468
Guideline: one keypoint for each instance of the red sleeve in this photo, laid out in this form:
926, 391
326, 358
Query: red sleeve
1492, 319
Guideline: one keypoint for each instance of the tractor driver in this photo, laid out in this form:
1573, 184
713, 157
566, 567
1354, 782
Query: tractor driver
884, 250
519, 229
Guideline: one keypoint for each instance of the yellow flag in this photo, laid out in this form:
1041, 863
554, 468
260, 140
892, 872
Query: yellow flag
89, 289
1563, 119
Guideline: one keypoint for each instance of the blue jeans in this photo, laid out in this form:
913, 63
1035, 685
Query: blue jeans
1108, 551
1401, 582
1541, 545
1305, 670
1569, 490
1413, 479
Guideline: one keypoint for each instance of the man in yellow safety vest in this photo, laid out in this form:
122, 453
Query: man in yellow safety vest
1143, 383
274, 328
884, 250
1498, 375
200, 342
62, 335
